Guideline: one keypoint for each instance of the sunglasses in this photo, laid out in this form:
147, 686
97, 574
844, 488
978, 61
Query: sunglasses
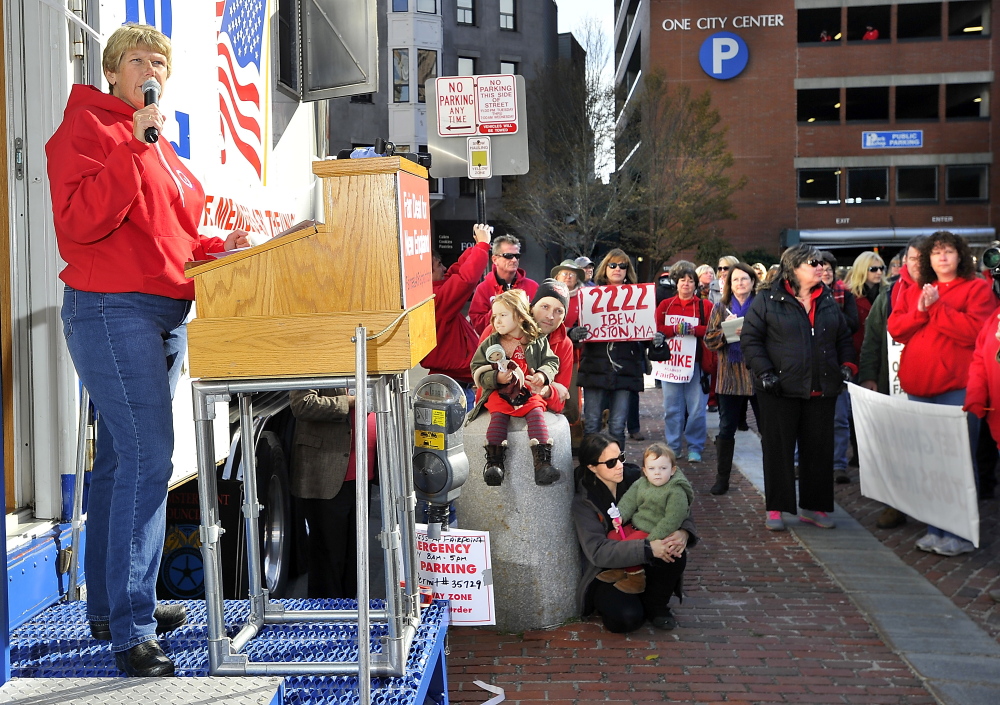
617, 265
815, 263
723, 269
613, 462
509, 255
877, 268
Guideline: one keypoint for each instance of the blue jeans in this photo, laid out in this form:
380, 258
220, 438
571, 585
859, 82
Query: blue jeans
731, 408
127, 350
595, 401
842, 431
678, 400
956, 397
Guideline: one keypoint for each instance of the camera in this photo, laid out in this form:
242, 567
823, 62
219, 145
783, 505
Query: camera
991, 260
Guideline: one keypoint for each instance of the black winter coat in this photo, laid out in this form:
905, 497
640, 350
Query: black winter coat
612, 366
777, 337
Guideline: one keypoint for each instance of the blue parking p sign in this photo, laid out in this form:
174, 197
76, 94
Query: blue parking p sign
723, 55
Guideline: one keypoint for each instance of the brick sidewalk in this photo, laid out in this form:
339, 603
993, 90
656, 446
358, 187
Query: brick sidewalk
761, 623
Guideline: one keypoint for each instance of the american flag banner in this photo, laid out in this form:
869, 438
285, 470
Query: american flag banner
241, 81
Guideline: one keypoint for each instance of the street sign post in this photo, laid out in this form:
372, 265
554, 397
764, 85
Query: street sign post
456, 103
496, 104
480, 166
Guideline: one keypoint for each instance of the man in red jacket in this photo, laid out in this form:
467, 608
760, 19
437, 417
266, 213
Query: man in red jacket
456, 340
505, 275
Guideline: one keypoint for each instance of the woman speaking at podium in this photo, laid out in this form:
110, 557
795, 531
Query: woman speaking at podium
126, 213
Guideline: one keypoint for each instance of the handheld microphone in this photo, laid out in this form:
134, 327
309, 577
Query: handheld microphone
151, 96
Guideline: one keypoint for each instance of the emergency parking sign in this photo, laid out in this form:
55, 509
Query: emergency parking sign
723, 55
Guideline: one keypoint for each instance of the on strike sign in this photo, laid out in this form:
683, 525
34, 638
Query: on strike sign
458, 568
613, 313
683, 348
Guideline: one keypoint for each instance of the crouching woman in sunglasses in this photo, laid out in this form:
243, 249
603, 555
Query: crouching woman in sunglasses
798, 346
602, 478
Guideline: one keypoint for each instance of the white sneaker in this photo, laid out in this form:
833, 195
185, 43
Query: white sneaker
929, 542
954, 546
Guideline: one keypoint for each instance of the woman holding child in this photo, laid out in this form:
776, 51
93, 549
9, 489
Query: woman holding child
604, 481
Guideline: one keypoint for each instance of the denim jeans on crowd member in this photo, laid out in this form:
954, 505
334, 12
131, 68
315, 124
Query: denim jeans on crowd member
127, 349
842, 431
633, 413
595, 401
732, 407
680, 399
955, 397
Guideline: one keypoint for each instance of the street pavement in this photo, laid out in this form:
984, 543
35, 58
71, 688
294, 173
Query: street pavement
801, 616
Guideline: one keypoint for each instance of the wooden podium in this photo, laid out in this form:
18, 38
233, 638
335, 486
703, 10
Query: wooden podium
289, 307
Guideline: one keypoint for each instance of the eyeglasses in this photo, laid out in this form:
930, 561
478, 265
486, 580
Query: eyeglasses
723, 269
617, 265
877, 268
508, 255
613, 462
815, 263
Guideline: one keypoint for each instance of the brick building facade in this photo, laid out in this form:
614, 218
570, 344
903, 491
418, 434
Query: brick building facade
814, 123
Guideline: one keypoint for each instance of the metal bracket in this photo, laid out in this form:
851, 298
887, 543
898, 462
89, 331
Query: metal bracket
210, 534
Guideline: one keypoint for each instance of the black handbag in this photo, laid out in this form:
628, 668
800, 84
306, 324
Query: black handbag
659, 353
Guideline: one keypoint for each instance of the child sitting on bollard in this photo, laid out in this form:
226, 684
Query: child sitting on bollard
653, 507
512, 384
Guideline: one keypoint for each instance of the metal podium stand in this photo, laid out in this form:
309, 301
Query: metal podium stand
390, 394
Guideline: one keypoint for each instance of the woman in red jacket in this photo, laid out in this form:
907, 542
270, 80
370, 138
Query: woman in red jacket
938, 321
126, 214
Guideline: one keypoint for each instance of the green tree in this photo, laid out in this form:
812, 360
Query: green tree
563, 199
676, 146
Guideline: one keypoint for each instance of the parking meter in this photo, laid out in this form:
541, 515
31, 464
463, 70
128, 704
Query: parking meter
440, 466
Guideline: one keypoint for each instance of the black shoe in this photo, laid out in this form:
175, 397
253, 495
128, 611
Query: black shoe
144, 661
664, 621
841, 477
168, 618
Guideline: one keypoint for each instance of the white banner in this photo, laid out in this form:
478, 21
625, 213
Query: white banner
683, 349
458, 568
916, 457
613, 313
894, 351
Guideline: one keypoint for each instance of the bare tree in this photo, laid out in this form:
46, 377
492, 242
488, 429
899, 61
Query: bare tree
677, 149
563, 200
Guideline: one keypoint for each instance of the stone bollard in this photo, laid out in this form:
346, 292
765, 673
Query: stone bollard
536, 556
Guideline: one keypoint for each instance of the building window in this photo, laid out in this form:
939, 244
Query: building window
427, 6
916, 102
867, 23
466, 12
363, 98
819, 25
400, 75
818, 105
466, 66
868, 104
400, 5
967, 100
819, 186
508, 67
918, 21
508, 15
967, 183
965, 19
427, 69
466, 187
916, 183
868, 186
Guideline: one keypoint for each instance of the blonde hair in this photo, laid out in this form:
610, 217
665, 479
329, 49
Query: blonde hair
131, 36
659, 450
858, 276
730, 260
702, 268
517, 301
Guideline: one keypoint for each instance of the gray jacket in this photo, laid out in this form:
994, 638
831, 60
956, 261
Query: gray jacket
600, 552
322, 442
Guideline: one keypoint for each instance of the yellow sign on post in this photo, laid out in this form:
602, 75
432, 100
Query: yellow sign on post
428, 439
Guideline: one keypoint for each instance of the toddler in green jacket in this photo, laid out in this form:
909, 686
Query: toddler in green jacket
653, 507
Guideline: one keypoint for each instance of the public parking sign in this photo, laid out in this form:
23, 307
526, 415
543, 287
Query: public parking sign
456, 106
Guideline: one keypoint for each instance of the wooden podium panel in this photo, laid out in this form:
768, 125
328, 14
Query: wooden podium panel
289, 307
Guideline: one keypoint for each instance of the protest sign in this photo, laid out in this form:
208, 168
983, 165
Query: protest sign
916, 457
894, 351
458, 568
613, 313
683, 348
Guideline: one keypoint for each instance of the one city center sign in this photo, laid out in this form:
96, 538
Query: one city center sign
723, 55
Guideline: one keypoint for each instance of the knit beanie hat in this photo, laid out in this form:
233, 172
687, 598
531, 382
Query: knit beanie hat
553, 288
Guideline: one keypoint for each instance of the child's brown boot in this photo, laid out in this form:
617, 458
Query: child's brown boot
634, 582
494, 471
611, 576
545, 474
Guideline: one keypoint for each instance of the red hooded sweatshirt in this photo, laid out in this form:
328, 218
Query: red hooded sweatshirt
126, 212
982, 396
456, 339
939, 341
